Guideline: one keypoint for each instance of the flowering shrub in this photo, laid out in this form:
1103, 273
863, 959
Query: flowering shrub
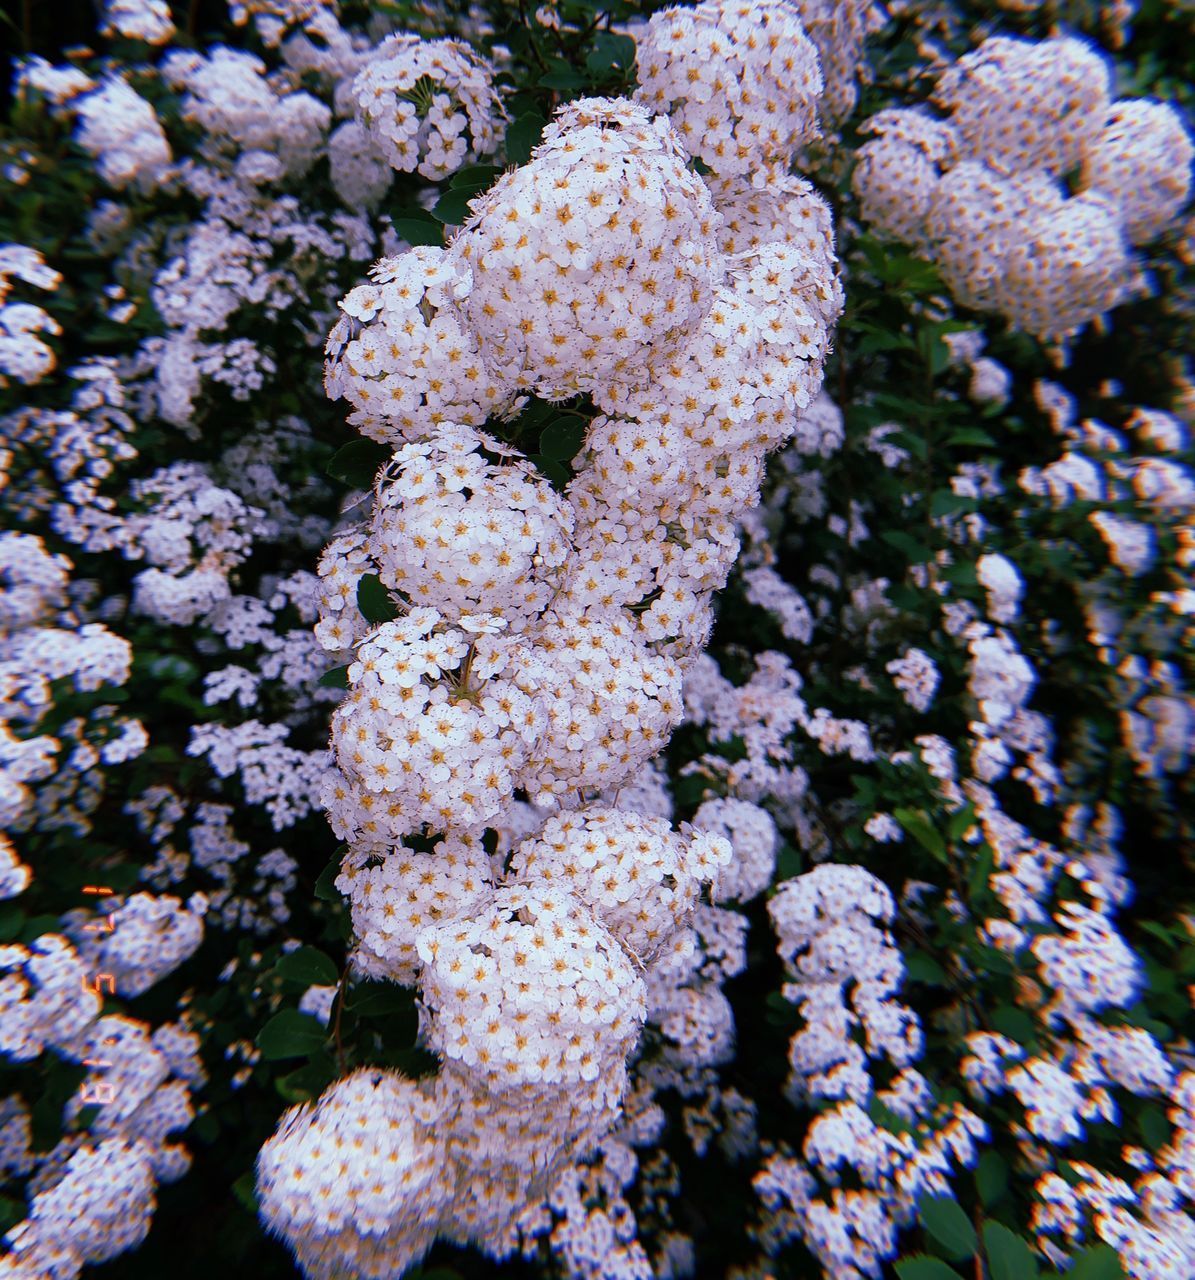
595, 640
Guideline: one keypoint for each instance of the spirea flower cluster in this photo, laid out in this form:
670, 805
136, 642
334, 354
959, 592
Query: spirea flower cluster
1032, 192
693, 777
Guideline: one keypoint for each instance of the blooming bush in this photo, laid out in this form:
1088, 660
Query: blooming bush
595, 640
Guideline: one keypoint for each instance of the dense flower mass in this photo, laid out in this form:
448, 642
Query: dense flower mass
595, 640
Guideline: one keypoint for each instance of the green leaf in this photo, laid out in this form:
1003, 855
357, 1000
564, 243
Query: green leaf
920, 967
1014, 1023
947, 1224
916, 822
325, 887
452, 208
1097, 1262
971, 435
980, 871
309, 965
337, 678
308, 1081
374, 600
416, 231
922, 1267
562, 77
788, 863
945, 502
380, 999
477, 177
916, 552
991, 1178
12, 1211
12, 919
290, 1034
554, 471
523, 135
205, 1127
959, 822
561, 439
1154, 1126
610, 51
357, 463
1009, 1257
35, 926
245, 1190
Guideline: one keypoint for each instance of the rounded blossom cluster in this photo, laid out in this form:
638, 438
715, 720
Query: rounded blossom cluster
639, 875
428, 105
395, 892
22, 355
466, 536
354, 1181
437, 722
740, 83
593, 262
829, 923
142, 939
402, 355
121, 129
751, 831
507, 647
530, 988
1031, 194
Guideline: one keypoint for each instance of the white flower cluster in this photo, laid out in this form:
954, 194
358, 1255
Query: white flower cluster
147, 20
122, 131
753, 839
854, 1231
500, 640
594, 263
428, 105
240, 109
52, 778
983, 193
23, 355
141, 939
838, 29
740, 82
829, 939
192, 535
402, 355
1098, 466
92, 1196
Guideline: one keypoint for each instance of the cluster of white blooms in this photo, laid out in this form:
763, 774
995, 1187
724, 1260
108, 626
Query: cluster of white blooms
428, 105
192, 535
1100, 468
141, 939
740, 83
592, 264
92, 1196
230, 97
403, 357
147, 20
854, 1231
829, 939
122, 131
23, 355
505, 644
642, 878
983, 193
49, 767
753, 838
465, 536
838, 29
